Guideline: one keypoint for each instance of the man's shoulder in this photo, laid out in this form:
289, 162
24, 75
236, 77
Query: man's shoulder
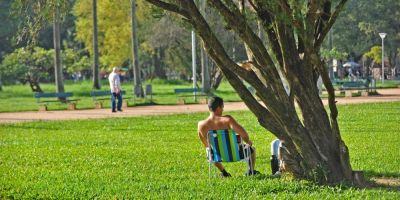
202, 123
227, 117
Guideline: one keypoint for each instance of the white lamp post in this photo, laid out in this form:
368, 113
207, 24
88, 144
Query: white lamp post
383, 35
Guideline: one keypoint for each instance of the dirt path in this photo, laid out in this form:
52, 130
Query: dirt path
387, 95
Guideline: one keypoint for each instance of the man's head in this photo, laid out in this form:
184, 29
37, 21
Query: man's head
115, 69
214, 103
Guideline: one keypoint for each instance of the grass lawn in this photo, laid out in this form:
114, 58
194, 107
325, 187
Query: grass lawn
16, 98
161, 157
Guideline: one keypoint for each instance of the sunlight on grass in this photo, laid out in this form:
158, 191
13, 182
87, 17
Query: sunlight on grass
20, 98
161, 157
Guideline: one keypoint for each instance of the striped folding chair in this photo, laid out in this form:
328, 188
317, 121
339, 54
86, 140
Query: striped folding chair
226, 146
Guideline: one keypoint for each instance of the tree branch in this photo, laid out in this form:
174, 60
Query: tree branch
289, 12
170, 7
321, 36
238, 23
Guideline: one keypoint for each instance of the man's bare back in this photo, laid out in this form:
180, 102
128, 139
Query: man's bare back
216, 121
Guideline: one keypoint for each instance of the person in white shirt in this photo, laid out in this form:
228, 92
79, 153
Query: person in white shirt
115, 86
275, 158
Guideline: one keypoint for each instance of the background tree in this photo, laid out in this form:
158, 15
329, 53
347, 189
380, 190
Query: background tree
75, 61
329, 55
357, 29
114, 29
35, 66
9, 28
95, 70
295, 31
375, 54
135, 52
37, 14
28, 66
57, 49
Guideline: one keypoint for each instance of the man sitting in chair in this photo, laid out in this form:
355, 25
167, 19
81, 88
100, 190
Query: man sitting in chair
218, 122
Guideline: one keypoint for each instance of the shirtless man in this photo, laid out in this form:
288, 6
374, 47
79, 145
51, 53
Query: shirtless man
217, 122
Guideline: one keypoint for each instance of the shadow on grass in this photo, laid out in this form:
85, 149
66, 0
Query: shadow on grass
382, 180
374, 180
389, 184
370, 173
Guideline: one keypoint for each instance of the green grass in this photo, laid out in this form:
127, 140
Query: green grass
16, 98
161, 157
388, 84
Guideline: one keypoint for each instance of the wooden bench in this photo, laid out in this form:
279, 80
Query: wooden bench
354, 86
62, 97
99, 96
182, 93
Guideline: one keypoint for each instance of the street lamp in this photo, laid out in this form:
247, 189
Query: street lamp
383, 35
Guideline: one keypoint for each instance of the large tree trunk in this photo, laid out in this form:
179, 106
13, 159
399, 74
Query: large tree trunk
95, 68
135, 53
313, 145
58, 72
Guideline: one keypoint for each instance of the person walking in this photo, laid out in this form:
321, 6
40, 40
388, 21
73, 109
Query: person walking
115, 86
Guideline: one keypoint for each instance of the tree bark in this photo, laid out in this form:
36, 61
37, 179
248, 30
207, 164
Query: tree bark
135, 52
216, 78
58, 72
34, 84
95, 68
313, 146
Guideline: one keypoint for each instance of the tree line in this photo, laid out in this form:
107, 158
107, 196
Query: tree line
164, 42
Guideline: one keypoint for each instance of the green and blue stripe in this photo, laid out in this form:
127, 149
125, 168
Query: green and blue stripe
224, 145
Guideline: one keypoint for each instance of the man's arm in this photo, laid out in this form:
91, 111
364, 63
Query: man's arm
116, 83
201, 134
239, 129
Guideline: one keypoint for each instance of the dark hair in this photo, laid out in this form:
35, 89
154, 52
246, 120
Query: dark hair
214, 103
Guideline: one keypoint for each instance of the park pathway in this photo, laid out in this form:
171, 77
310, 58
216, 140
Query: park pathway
386, 95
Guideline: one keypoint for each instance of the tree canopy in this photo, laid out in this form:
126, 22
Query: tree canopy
114, 29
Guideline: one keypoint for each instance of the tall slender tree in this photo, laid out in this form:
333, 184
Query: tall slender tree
58, 72
135, 53
312, 145
95, 70
39, 14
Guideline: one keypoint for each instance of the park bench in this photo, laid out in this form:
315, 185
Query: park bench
354, 86
61, 97
182, 93
99, 96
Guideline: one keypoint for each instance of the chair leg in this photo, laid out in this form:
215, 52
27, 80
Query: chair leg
209, 170
248, 158
214, 171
